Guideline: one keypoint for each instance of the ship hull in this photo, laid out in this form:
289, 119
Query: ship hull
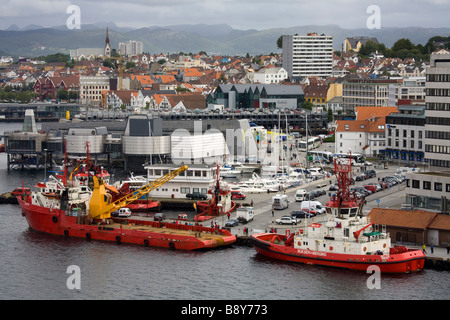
406, 262
147, 233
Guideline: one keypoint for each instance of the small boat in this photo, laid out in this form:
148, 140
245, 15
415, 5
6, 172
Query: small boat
229, 172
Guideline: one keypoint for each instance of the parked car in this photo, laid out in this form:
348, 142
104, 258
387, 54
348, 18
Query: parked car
287, 220
301, 214
231, 223
371, 188
159, 216
333, 187
196, 196
237, 195
361, 177
370, 173
376, 184
361, 191
311, 211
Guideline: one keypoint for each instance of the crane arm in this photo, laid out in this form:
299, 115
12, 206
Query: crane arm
101, 208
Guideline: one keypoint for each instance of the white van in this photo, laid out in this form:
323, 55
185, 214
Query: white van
280, 202
301, 195
122, 213
315, 205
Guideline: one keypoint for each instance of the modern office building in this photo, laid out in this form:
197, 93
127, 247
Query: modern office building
310, 55
428, 190
365, 92
405, 132
437, 113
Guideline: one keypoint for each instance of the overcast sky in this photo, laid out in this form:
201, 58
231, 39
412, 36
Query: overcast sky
239, 14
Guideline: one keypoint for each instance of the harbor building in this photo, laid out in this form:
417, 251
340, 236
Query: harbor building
437, 113
310, 55
428, 190
26, 148
143, 141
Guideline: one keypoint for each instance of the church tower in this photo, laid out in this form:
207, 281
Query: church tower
107, 45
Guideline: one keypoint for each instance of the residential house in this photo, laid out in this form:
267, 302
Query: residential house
48, 87
270, 75
366, 134
355, 43
124, 99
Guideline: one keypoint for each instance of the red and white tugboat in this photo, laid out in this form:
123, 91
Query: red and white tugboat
345, 240
220, 203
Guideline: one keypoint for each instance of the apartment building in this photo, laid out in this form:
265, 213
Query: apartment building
131, 48
310, 55
91, 88
270, 75
365, 92
437, 113
411, 89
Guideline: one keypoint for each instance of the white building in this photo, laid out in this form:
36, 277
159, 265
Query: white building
270, 75
131, 48
310, 55
91, 88
437, 113
411, 88
365, 135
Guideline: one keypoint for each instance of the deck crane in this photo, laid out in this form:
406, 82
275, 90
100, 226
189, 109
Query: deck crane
100, 205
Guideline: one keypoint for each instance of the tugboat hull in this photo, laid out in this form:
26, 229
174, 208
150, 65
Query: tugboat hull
272, 246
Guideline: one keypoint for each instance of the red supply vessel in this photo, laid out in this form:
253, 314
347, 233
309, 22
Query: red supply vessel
78, 211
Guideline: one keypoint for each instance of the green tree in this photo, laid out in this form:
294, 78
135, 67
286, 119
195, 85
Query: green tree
280, 42
130, 64
403, 44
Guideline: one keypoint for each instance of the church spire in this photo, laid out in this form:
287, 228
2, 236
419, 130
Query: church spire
107, 45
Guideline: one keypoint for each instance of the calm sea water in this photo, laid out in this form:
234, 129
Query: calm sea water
34, 266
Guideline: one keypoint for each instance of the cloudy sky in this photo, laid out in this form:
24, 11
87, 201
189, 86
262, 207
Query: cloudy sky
240, 14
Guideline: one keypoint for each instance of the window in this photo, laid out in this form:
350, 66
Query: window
427, 185
416, 184
447, 187
437, 186
185, 190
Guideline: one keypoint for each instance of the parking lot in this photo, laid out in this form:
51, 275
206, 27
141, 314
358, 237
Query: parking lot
392, 196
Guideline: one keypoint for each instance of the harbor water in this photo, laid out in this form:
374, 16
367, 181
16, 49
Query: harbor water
34, 266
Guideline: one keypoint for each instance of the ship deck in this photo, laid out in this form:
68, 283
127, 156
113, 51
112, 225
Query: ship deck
200, 232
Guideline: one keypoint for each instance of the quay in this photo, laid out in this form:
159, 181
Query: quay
264, 221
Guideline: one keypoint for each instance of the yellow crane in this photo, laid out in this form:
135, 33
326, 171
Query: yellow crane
100, 205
